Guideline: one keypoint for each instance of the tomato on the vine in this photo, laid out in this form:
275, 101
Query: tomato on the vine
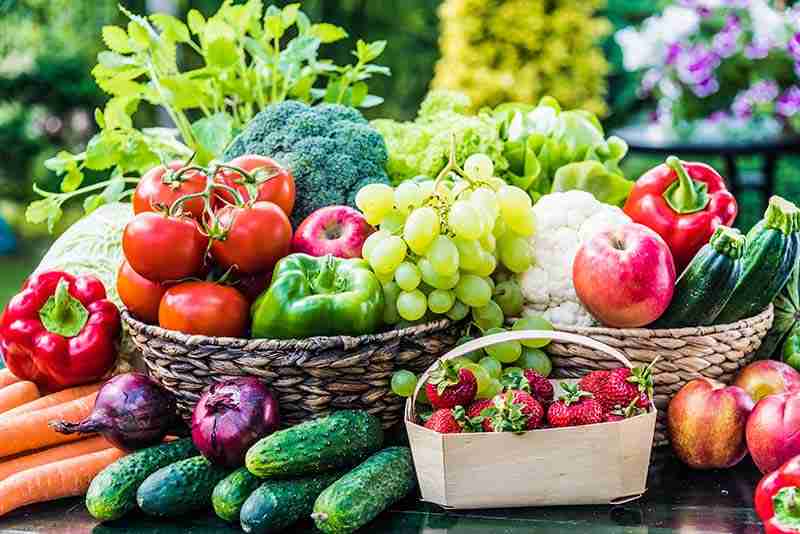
161, 186
164, 247
273, 182
204, 308
140, 295
252, 237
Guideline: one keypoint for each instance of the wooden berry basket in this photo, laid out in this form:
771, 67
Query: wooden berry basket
717, 352
595, 464
311, 377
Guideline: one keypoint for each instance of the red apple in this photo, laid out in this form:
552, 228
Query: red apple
337, 230
706, 422
767, 377
625, 276
773, 431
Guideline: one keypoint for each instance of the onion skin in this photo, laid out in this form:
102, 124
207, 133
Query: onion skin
131, 411
231, 416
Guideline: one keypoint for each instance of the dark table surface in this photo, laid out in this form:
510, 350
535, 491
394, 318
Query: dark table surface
678, 500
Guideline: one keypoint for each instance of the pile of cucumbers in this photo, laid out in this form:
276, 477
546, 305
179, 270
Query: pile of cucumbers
332, 469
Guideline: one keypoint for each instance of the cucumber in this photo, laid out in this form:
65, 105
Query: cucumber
231, 493
112, 492
181, 487
706, 285
358, 497
768, 259
276, 504
339, 440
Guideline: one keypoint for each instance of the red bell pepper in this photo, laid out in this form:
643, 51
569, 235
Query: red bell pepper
777, 499
684, 203
60, 330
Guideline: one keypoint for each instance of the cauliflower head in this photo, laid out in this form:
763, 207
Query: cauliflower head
563, 222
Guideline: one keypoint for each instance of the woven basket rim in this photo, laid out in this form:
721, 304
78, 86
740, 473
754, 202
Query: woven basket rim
317, 342
687, 331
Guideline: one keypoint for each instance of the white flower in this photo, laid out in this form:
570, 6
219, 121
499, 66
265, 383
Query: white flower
769, 25
648, 47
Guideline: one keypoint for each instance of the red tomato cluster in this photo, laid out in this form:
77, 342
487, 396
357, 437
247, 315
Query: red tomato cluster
187, 227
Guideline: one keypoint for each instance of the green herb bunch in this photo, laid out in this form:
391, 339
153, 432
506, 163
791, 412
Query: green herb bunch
243, 58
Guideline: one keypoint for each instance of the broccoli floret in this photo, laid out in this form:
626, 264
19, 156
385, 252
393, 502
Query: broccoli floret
331, 150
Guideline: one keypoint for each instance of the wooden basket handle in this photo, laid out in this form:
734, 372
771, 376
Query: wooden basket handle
513, 335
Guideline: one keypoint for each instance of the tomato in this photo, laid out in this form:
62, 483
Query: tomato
152, 191
204, 308
275, 183
256, 237
162, 247
140, 295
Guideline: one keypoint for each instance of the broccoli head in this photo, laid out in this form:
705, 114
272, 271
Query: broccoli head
331, 150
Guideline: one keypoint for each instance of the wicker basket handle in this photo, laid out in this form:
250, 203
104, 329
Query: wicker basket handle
513, 335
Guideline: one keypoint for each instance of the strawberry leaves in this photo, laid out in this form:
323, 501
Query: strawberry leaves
443, 376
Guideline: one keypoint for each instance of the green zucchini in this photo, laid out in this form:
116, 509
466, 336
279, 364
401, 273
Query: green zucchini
231, 493
358, 497
706, 285
181, 487
277, 504
769, 257
339, 440
112, 492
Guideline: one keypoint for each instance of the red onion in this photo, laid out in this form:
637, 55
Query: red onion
231, 416
131, 411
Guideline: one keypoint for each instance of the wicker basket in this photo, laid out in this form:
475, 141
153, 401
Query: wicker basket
311, 377
716, 352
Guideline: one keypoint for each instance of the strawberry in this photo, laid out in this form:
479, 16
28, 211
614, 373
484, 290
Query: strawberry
444, 422
593, 381
624, 385
515, 411
588, 411
643, 400
541, 387
449, 387
561, 412
474, 415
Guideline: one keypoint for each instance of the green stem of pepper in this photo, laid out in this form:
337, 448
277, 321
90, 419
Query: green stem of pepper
685, 195
324, 281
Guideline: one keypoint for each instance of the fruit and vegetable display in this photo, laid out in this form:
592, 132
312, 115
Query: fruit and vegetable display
276, 215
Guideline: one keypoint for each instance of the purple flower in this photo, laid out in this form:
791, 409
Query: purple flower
706, 88
761, 92
718, 116
724, 44
794, 46
788, 103
673, 52
696, 65
649, 81
757, 50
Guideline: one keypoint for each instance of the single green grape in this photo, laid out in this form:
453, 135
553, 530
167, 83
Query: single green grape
533, 322
500, 228
407, 276
473, 291
407, 196
421, 228
443, 256
411, 305
481, 375
425, 188
390, 293
513, 203
479, 167
488, 243
403, 383
489, 316
458, 312
494, 388
465, 221
434, 279
524, 224
486, 199
375, 200
535, 359
469, 253
508, 296
487, 265
461, 361
505, 352
492, 366
388, 254
372, 241
393, 222
384, 278
441, 300
514, 252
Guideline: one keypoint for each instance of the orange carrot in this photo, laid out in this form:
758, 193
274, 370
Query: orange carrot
30, 431
54, 399
65, 478
53, 454
7, 378
17, 394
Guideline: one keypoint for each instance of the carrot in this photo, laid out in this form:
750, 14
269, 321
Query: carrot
54, 398
65, 478
53, 454
7, 378
17, 394
29, 431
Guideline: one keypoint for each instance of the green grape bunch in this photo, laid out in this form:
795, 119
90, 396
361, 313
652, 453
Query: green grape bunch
440, 240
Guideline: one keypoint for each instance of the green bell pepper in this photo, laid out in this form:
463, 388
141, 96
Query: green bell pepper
791, 348
324, 296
